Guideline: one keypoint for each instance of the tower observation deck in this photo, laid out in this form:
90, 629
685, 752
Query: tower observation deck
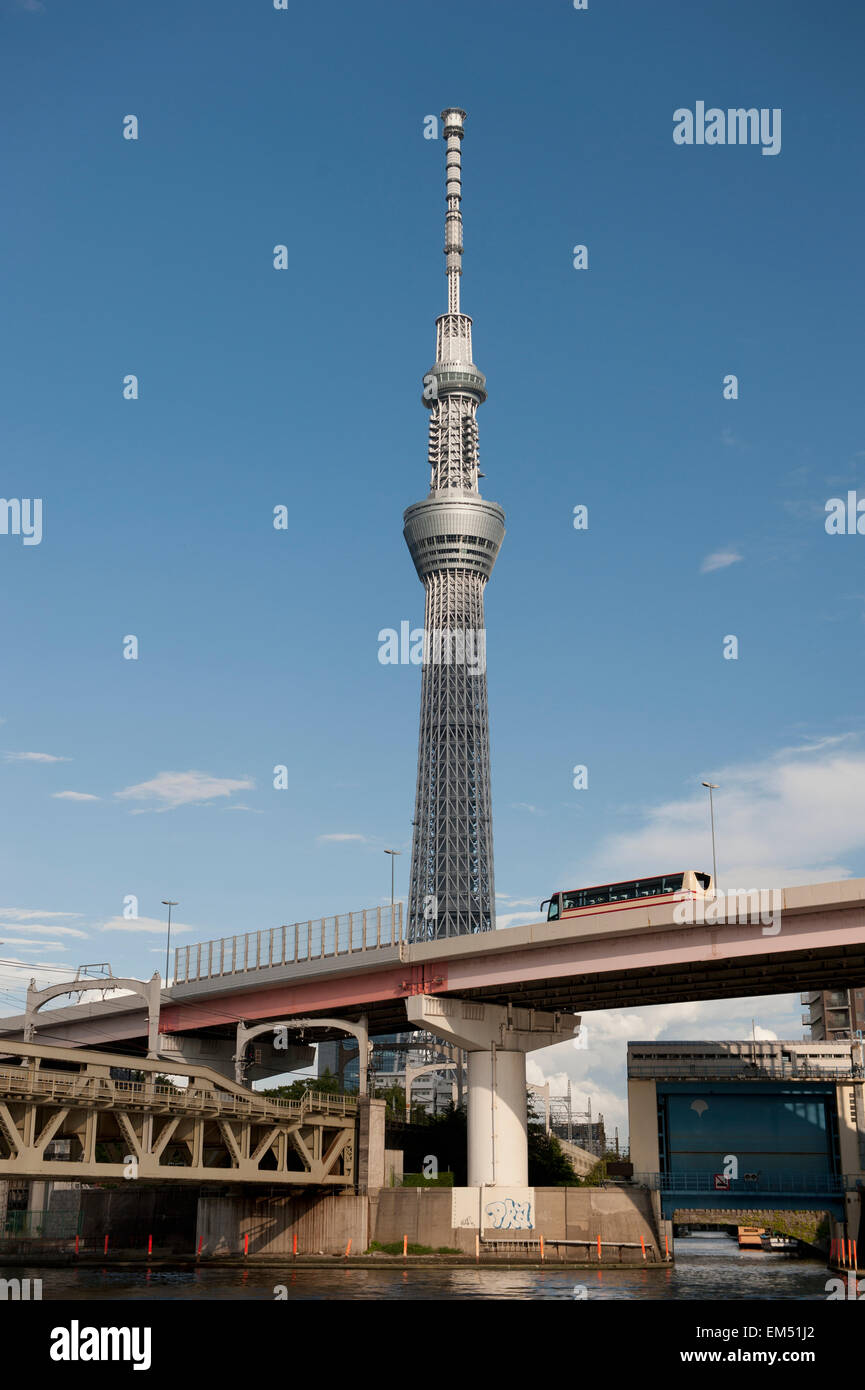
453, 536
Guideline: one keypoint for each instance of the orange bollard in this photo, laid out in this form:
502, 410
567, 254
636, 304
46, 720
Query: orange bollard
105, 1250
294, 1244
150, 1245
198, 1251
245, 1244
404, 1246
477, 1246
643, 1244
542, 1247
666, 1245
855, 1259
76, 1244
347, 1250
599, 1245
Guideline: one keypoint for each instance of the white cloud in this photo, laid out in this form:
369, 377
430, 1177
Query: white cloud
173, 789
516, 919
37, 927
731, 440
74, 796
719, 560
26, 912
341, 839
34, 758
36, 945
817, 746
784, 821
142, 925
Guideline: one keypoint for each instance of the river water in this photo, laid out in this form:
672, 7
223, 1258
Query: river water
706, 1268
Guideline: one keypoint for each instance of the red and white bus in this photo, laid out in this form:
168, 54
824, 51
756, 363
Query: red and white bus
616, 897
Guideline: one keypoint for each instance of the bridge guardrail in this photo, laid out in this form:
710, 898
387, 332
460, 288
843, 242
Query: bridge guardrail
60, 1087
319, 938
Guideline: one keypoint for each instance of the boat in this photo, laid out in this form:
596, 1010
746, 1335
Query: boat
751, 1237
779, 1243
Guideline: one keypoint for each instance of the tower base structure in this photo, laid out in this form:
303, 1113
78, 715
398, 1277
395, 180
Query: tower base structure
497, 1038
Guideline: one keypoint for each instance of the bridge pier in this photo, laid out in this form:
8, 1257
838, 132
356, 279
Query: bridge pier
497, 1038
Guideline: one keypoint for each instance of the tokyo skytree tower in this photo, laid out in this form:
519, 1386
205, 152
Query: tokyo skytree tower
453, 537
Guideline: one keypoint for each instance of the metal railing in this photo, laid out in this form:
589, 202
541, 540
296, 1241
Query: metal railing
743, 1069
61, 1087
790, 1182
344, 935
41, 1224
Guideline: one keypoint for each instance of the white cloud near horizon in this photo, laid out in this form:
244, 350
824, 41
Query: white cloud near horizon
339, 839
74, 796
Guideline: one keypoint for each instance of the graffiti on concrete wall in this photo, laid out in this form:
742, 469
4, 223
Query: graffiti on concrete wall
493, 1208
508, 1214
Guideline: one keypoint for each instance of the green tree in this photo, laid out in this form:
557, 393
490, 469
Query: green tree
548, 1166
327, 1084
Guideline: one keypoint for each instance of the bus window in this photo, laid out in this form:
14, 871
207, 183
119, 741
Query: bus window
553, 914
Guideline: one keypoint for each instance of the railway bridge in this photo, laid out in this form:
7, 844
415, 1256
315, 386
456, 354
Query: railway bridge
71, 1114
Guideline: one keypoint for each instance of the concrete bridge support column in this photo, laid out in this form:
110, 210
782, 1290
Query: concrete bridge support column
497, 1038
370, 1144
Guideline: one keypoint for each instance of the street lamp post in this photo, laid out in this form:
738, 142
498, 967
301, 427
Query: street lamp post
166, 902
713, 787
393, 853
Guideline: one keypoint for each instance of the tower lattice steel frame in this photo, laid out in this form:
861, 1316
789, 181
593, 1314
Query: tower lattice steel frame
454, 537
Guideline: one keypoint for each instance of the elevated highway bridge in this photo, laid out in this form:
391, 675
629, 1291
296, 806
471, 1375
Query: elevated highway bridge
498, 995
625, 959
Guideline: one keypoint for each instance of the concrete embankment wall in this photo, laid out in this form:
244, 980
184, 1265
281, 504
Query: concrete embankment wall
326, 1222
323, 1222
561, 1213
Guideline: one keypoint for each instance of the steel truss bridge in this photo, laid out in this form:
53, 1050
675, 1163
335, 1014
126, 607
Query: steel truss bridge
208, 1130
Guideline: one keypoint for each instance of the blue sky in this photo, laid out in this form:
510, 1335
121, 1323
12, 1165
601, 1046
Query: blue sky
261, 387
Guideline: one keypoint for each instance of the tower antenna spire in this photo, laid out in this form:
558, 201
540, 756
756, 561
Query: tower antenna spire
452, 120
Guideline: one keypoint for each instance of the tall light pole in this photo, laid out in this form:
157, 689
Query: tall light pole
393, 853
167, 903
713, 787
